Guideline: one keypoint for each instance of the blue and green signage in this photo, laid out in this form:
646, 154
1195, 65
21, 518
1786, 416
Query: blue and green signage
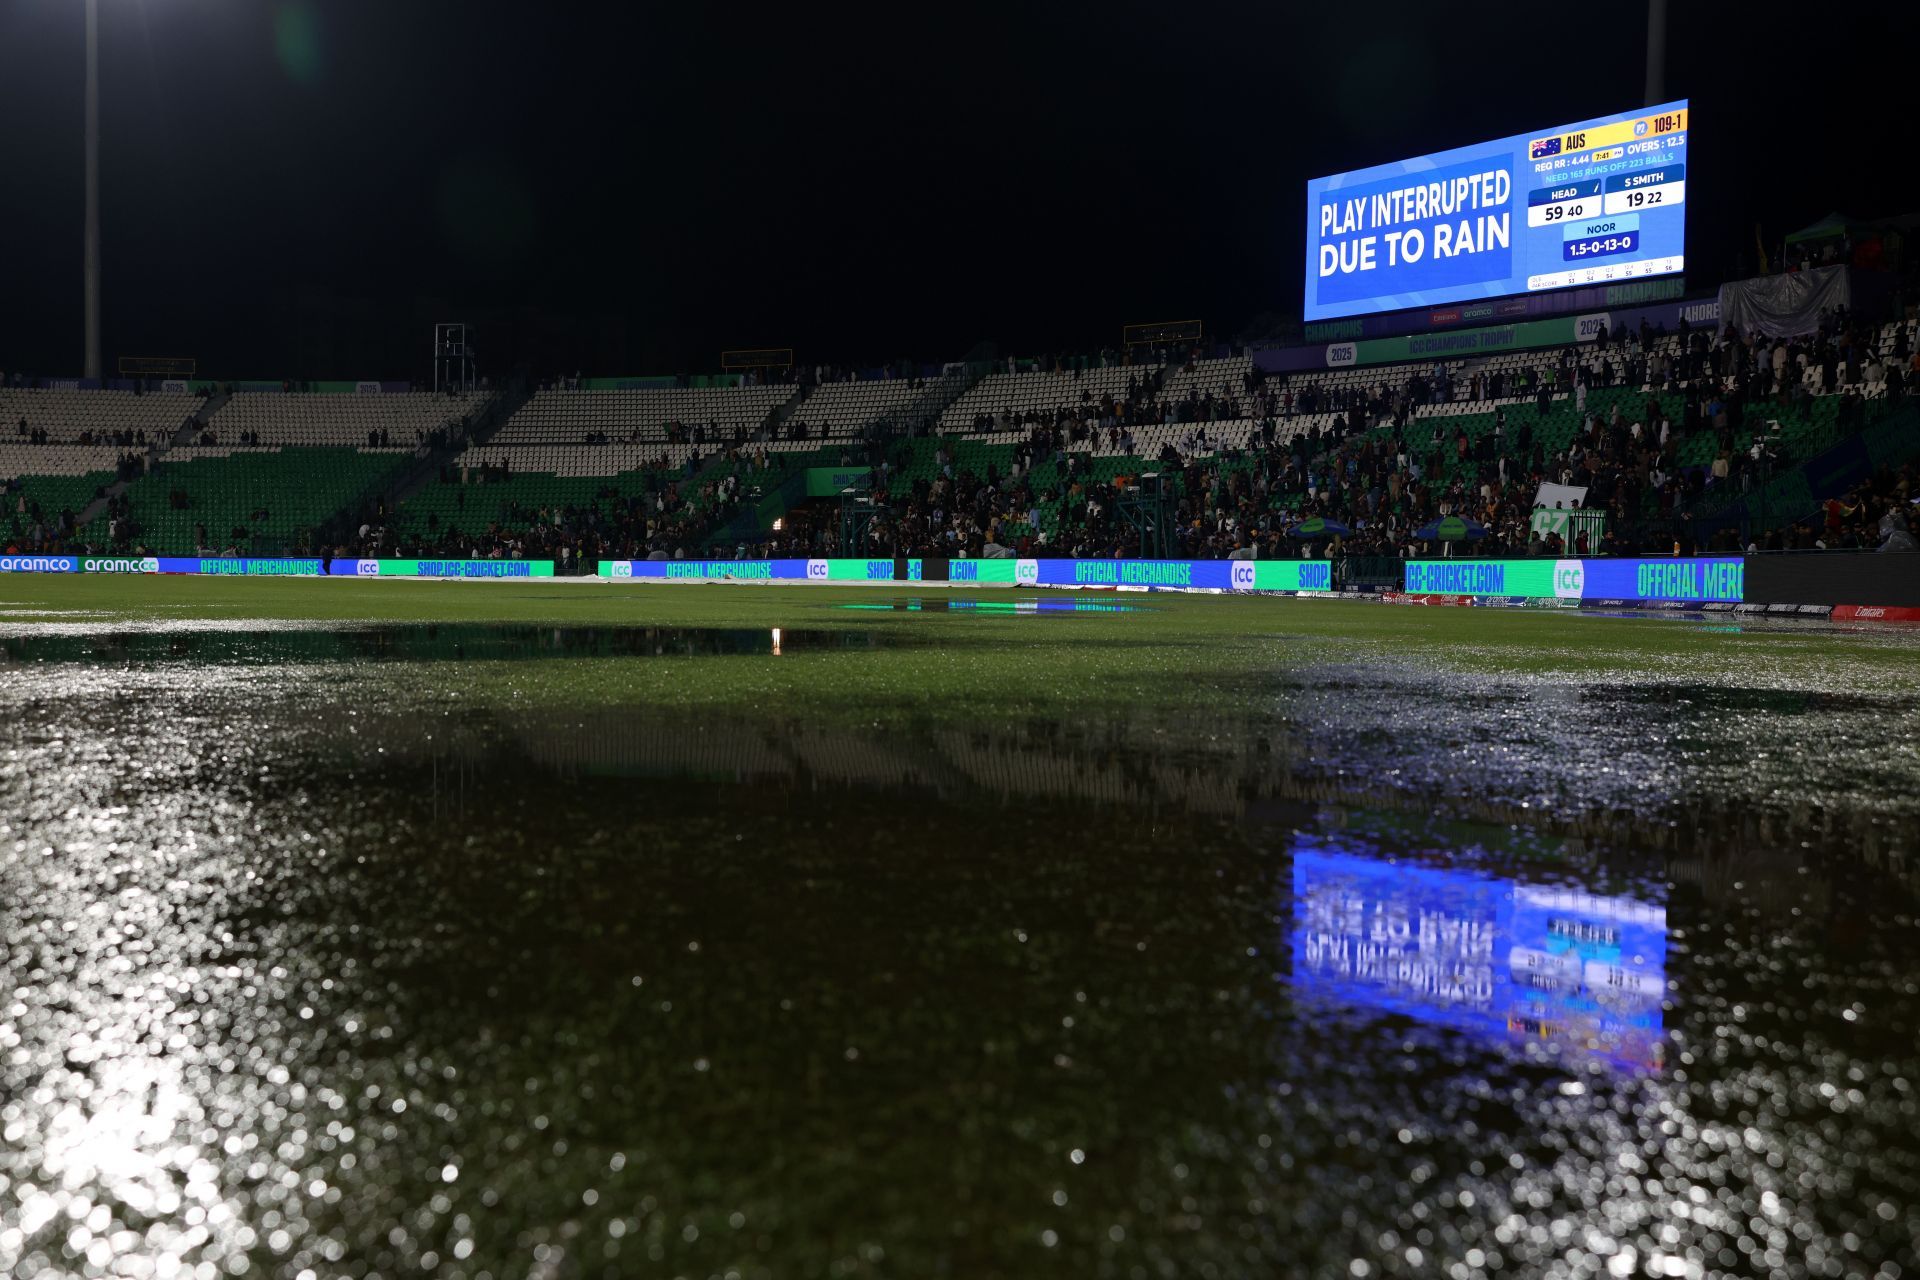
1174, 575
277, 567
244, 566
441, 568
1685, 580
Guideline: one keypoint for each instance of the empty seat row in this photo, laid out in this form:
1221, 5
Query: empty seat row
401, 420
66, 415
563, 417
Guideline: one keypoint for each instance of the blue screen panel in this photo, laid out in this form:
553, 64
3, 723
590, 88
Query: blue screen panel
1589, 203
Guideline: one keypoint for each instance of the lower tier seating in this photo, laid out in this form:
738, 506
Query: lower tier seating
266, 501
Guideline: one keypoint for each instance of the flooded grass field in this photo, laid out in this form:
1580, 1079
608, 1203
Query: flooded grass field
488, 930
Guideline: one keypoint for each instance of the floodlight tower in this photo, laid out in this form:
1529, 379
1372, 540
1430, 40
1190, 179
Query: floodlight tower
453, 367
91, 268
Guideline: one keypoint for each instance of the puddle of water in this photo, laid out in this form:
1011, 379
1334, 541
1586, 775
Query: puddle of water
1043, 605
446, 642
1634, 700
1783, 624
310, 978
1538, 967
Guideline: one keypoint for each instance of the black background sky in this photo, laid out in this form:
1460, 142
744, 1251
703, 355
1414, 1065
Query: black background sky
302, 187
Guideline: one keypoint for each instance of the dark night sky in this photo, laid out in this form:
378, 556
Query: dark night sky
302, 187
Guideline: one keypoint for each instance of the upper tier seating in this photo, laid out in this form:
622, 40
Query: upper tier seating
1015, 394
838, 410
566, 417
111, 421
313, 418
550, 432
1006, 399
598, 452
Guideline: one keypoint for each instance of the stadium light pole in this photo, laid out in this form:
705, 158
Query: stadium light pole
1656, 51
92, 251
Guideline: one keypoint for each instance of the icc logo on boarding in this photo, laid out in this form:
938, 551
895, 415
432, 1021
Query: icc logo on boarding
816, 570
1569, 579
1243, 574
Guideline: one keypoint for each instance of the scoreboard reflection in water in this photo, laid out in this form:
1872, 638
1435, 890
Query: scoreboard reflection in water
1590, 203
1510, 961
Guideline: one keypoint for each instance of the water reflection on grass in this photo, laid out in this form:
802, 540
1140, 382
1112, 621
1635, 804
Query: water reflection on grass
345, 975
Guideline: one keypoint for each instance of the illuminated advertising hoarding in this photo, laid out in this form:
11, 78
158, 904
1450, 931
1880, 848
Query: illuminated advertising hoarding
1502, 959
39, 564
233, 565
278, 567
441, 568
119, 564
1174, 575
1688, 580
1597, 202
242, 566
754, 570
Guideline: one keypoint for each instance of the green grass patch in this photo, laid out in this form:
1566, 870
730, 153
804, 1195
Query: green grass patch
1177, 649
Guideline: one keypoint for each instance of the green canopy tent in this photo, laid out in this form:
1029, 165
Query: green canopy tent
1835, 226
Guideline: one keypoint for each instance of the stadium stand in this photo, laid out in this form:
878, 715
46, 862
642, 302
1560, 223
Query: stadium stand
1002, 406
1663, 429
1684, 438
267, 469
248, 501
60, 450
843, 410
398, 422
839, 423
573, 472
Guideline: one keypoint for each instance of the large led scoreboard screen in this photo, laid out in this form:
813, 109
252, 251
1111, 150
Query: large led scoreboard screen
1590, 203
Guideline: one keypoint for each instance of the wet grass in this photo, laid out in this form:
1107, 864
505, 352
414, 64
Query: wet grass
1531, 716
491, 928
1540, 638
940, 661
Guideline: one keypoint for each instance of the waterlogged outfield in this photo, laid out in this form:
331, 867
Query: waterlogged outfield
1004, 662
